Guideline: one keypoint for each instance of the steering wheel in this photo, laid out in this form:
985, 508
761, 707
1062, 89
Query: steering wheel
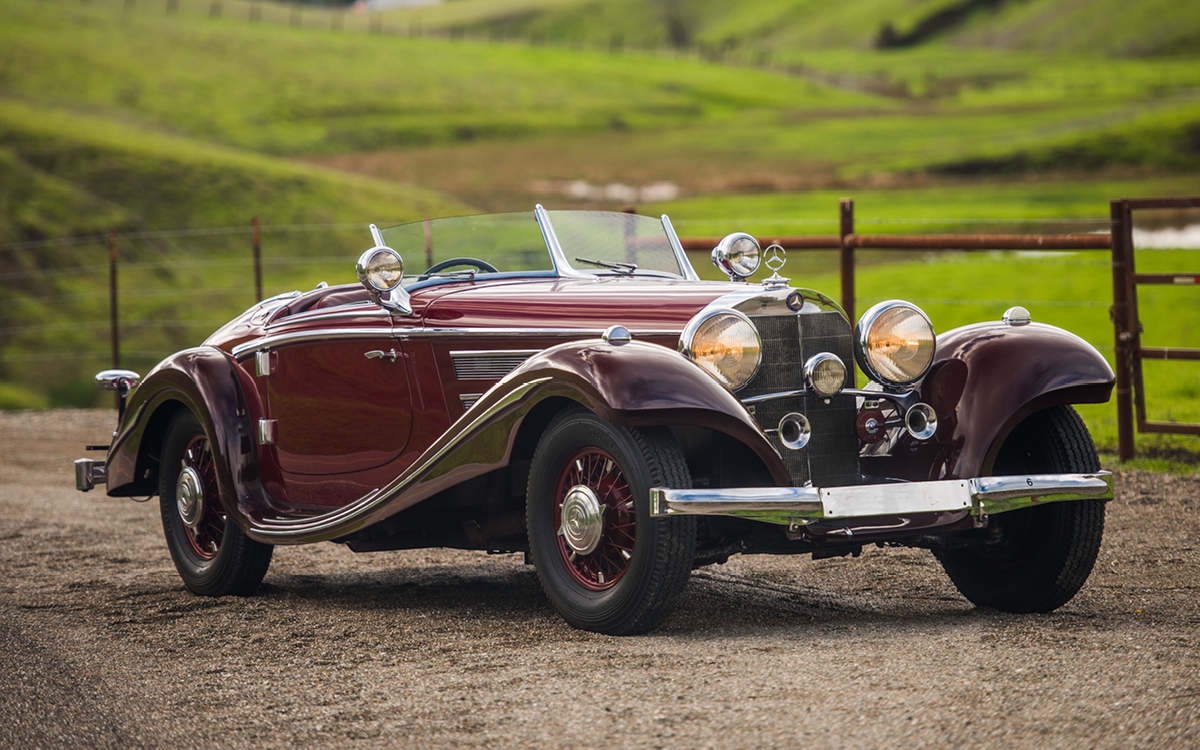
482, 265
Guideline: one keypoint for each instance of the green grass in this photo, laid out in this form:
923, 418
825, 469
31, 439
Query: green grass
1113, 27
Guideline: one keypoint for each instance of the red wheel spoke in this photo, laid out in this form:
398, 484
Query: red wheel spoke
604, 565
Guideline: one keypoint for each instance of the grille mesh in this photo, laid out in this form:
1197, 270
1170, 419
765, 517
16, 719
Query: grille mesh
831, 456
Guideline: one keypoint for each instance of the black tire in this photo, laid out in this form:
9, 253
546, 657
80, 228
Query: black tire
215, 558
613, 589
1035, 559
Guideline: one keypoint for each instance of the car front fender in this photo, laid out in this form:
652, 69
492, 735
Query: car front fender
207, 382
639, 384
985, 379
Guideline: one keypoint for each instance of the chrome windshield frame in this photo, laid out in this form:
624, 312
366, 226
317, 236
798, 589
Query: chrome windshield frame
561, 266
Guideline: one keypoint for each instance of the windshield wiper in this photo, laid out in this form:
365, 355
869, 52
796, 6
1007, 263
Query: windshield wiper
627, 268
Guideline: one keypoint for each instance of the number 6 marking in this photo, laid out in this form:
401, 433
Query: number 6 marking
1029, 481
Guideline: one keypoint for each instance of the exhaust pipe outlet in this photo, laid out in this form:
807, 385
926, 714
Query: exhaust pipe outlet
794, 430
921, 421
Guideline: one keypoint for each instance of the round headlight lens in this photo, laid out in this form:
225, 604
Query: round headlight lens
825, 373
895, 343
737, 254
380, 268
726, 344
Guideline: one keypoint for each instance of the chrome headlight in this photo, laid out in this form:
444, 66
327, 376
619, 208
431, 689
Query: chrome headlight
726, 344
894, 343
738, 255
825, 374
380, 269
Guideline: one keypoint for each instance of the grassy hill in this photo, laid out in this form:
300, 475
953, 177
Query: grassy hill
1111, 27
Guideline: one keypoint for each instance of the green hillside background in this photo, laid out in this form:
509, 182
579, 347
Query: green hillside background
173, 122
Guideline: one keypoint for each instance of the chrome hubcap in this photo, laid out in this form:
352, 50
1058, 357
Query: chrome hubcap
189, 497
582, 520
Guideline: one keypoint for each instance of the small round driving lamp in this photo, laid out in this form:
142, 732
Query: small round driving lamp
825, 374
725, 344
894, 343
738, 255
380, 269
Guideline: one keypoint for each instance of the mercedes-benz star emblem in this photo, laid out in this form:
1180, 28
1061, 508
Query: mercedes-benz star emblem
776, 256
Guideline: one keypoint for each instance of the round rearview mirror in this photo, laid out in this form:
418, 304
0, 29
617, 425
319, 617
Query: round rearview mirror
380, 269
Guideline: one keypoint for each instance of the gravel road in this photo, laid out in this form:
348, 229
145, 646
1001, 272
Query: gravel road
101, 645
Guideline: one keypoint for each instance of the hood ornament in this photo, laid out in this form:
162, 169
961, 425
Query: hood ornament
774, 258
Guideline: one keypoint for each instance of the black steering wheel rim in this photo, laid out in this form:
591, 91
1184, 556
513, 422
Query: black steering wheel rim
482, 265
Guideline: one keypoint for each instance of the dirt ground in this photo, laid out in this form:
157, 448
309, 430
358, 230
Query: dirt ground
101, 645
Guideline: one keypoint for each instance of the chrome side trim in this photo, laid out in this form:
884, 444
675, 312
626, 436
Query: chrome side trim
786, 505
362, 310
530, 332
681, 256
89, 473
488, 365
319, 334
268, 431
336, 521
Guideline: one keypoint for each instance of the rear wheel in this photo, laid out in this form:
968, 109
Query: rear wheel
1035, 559
213, 556
605, 564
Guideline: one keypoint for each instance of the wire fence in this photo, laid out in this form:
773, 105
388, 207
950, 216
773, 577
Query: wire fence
170, 288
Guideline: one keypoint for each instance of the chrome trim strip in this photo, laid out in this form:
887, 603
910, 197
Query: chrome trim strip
330, 522
494, 352
364, 310
786, 505
318, 334
681, 256
532, 332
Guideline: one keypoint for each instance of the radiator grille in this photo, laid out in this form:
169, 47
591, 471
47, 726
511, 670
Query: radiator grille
831, 456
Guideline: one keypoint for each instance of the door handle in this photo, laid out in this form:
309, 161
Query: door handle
380, 354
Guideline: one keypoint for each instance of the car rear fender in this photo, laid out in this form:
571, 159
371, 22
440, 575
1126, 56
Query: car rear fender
986, 378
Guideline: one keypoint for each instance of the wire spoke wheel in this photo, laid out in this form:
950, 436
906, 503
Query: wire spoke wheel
597, 544
206, 528
604, 562
213, 555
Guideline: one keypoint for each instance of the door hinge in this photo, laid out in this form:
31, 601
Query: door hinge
268, 431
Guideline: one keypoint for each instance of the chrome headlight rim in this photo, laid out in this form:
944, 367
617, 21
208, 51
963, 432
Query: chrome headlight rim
741, 265
688, 337
862, 333
810, 371
369, 275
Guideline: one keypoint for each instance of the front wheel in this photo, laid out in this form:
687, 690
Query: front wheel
1035, 559
604, 562
213, 556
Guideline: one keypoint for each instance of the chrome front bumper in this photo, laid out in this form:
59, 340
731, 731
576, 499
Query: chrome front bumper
89, 473
802, 505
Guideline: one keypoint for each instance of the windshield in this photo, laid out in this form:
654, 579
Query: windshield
505, 242
568, 243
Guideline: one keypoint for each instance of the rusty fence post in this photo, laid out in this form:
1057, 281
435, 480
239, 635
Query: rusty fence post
112, 305
846, 257
428, 243
1123, 337
846, 254
255, 241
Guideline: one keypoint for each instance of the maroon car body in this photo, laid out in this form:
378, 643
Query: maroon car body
390, 416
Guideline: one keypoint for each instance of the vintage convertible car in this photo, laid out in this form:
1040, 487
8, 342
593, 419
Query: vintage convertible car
584, 397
